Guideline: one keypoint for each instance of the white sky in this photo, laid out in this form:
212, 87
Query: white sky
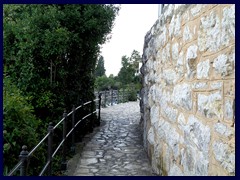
131, 26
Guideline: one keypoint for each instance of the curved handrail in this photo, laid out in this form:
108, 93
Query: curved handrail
16, 167
20, 163
43, 139
111, 94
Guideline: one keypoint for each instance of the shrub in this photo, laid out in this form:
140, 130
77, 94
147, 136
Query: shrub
19, 124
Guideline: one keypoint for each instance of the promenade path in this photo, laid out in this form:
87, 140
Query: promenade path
115, 148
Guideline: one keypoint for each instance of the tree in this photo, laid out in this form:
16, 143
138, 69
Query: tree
135, 59
19, 125
100, 69
129, 75
127, 71
50, 53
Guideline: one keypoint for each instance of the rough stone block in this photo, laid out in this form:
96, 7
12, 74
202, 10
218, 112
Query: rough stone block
175, 171
228, 25
169, 76
196, 9
179, 65
169, 134
191, 57
216, 85
177, 29
170, 113
175, 26
222, 65
151, 137
154, 114
199, 85
162, 37
187, 35
175, 51
210, 105
197, 133
229, 109
182, 96
194, 162
203, 70
229, 88
166, 53
224, 156
209, 37
223, 129
181, 122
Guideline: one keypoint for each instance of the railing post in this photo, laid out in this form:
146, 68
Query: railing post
111, 97
118, 96
83, 130
50, 143
92, 117
64, 163
23, 156
105, 98
123, 95
99, 109
73, 132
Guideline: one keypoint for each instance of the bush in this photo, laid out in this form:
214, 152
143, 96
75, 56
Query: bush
19, 124
132, 96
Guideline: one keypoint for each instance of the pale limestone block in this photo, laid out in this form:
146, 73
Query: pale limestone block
203, 69
222, 65
228, 25
151, 136
198, 134
187, 35
182, 96
175, 171
175, 51
199, 85
224, 156
191, 57
223, 129
228, 113
209, 35
210, 105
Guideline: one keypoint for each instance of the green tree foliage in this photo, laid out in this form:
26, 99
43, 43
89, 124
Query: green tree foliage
100, 69
50, 53
127, 72
135, 59
106, 83
19, 125
128, 77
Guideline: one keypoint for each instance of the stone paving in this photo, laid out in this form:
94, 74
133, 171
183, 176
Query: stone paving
115, 148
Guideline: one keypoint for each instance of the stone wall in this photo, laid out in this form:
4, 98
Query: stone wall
188, 95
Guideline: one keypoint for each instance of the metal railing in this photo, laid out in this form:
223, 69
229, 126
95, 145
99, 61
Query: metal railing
111, 96
25, 155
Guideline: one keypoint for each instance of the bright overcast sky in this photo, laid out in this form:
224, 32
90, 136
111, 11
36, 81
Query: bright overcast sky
131, 26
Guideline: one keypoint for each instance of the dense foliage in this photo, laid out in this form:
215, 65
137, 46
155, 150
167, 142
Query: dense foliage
50, 53
19, 122
100, 69
128, 77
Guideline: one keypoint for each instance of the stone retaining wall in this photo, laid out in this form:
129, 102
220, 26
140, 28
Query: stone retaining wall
188, 95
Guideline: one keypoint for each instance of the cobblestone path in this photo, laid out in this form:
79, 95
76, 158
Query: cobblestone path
115, 148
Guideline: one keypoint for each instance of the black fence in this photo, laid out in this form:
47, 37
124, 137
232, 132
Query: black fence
112, 97
47, 169
103, 99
